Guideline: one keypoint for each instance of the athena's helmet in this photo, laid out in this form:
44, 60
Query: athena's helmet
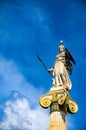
61, 47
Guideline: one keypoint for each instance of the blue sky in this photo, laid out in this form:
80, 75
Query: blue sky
27, 28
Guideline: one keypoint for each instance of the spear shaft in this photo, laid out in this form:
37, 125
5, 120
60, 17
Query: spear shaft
39, 58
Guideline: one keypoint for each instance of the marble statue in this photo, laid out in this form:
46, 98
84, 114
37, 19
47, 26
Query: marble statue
61, 68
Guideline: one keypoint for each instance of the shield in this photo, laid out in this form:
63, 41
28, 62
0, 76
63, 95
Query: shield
69, 56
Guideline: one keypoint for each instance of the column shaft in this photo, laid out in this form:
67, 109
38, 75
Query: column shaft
57, 120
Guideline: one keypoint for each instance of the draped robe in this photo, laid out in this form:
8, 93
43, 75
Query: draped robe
60, 73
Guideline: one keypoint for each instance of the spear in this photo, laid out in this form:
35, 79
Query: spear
39, 58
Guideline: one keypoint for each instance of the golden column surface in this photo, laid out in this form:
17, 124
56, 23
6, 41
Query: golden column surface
57, 121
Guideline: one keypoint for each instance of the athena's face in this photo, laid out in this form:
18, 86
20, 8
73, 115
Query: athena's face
61, 48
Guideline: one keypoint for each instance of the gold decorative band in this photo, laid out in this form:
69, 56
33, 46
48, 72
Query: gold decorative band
56, 107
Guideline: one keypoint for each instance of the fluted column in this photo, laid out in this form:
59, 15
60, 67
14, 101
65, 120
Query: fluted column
57, 121
57, 117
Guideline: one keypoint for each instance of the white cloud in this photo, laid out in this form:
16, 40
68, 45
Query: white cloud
12, 80
19, 115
